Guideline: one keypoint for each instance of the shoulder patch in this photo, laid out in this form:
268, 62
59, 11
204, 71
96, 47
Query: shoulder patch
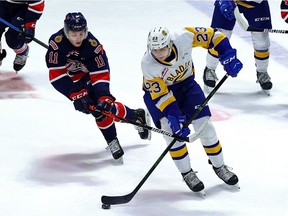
53, 45
93, 42
58, 38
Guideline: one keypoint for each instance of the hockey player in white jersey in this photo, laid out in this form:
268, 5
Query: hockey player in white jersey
172, 95
257, 13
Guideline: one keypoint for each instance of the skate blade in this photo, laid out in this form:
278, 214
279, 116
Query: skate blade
119, 161
201, 193
236, 186
267, 92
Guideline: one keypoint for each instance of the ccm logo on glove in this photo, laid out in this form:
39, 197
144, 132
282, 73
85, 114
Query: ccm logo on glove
79, 95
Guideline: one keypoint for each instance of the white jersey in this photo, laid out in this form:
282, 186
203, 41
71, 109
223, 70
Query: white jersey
159, 75
176, 70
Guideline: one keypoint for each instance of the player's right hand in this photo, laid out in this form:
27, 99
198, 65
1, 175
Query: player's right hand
81, 100
231, 64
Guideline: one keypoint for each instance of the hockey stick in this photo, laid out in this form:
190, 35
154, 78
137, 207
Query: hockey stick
189, 139
114, 200
18, 30
244, 25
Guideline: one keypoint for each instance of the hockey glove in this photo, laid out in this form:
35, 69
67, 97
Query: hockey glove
29, 31
176, 124
227, 8
105, 104
81, 100
231, 64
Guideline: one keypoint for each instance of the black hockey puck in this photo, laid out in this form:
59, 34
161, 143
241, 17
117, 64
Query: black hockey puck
106, 206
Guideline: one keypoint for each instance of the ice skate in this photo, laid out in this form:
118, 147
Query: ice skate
2, 54
193, 182
226, 175
20, 60
209, 78
116, 150
265, 82
143, 117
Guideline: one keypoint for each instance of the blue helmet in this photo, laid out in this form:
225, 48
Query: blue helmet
75, 22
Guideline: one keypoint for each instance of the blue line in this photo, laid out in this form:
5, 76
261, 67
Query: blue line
207, 7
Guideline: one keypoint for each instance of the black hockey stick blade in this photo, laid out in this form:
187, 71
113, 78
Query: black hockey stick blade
114, 200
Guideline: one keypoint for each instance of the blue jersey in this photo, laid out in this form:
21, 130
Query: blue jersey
84, 67
257, 15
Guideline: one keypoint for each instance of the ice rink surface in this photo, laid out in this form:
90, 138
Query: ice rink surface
53, 159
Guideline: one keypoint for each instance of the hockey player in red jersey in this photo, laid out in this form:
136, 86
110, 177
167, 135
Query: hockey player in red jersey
79, 69
23, 15
284, 10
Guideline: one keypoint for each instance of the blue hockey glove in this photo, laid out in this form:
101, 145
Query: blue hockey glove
81, 100
176, 124
231, 64
227, 8
105, 104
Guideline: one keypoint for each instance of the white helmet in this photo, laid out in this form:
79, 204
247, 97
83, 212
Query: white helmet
158, 38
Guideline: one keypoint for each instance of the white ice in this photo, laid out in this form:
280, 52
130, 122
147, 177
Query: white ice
53, 159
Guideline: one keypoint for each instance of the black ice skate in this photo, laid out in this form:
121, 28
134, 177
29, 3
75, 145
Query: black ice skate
116, 149
265, 82
193, 182
209, 78
2, 54
226, 175
143, 117
20, 60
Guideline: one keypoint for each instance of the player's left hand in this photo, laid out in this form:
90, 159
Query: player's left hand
227, 8
231, 64
105, 104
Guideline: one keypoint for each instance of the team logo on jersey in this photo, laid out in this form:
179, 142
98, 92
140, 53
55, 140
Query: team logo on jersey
58, 38
179, 73
93, 42
75, 66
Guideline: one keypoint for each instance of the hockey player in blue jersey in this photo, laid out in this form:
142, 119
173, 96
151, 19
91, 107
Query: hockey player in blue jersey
172, 95
257, 13
79, 69
23, 15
